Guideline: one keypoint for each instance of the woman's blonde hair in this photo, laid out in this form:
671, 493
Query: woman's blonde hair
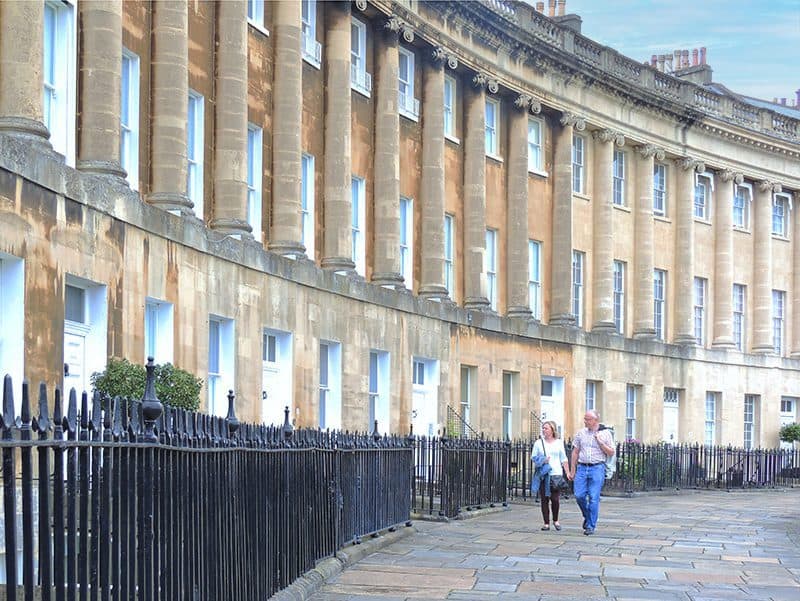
553, 427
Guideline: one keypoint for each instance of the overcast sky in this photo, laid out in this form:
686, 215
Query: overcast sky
752, 46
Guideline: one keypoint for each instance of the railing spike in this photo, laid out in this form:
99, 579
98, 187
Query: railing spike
9, 419
71, 418
25, 409
58, 416
97, 412
42, 423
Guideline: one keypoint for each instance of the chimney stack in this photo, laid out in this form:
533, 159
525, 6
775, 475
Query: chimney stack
797, 96
540, 7
653, 60
551, 5
695, 53
685, 58
562, 6
660, 63
703, 55
783, 101
667, 63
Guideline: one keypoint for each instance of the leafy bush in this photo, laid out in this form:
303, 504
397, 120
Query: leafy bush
174, 386
790, 433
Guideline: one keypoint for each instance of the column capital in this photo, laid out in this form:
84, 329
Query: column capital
482, 80
609, 135
647, 151
768, 186
571, 119
729, 175
396, 25
528, 102
690, 164
443, 55
361, 5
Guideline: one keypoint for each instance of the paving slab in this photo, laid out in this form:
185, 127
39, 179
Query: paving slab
697, 546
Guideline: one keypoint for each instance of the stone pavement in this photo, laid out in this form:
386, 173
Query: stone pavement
696, 546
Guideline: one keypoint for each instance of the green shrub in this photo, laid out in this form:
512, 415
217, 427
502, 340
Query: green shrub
174, 386
790, 433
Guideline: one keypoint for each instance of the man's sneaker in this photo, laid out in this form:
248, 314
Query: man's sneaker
588, 531
584, 525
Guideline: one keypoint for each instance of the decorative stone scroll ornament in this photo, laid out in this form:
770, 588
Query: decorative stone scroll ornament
361, 5
482, 80
728, 175
399, 26
579, 123
528, 102
768, 186
609, 135
687, 163
441, 54
651, 150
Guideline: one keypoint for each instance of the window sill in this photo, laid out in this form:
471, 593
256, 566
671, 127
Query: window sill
363, 91
452, 139
495, 158
662, 218
622, 208
409, 115
311, 60
743, 230
701, 220
538, 173
780, 237
582, 196
260, 28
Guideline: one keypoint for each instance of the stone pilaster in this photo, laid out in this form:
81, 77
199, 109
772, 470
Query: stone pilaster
230, 144
643, 326
21, 80
100, 69
795, 342
684, 249
169, 109
337, 251
517, 210
603, 231
475, 284
723, 259
561, 276
762, 268
387, 162
432, 185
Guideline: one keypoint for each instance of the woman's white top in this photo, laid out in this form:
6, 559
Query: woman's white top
557, 454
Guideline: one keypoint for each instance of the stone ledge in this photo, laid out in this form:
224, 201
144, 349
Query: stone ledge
464, 515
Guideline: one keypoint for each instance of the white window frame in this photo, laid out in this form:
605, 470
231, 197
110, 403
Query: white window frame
778, 319
195, 131
254, 178
660, 303
449, 254
535, 278
492, 127
749, 421
158, 330
308, 204
700, 294
360, 80
702, 210
591, 395
221, 374
578, 164
630, 411
781, 207
490, 266
467, 386
255, 15
129, 123
742, 201
619, 296
618, 171
578, 263
507, 400
12, 322
451, 89
407, 104
407, 240
330, 387
312, 49
358, 225
59, 90
710, 427
536, 146
379, 391
739, 316
660, 175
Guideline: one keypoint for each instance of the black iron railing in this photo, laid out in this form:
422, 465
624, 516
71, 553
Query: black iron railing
114, 501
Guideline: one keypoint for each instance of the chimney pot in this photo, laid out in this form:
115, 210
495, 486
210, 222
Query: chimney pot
653, 60
703, 55
540, 7
668, 63
695, 53
660, 62
797, 96
551, 5
685, 58
562, 6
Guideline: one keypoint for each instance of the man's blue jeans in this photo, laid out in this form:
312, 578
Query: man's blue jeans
588, 483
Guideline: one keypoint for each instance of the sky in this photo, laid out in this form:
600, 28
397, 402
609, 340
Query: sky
752, 46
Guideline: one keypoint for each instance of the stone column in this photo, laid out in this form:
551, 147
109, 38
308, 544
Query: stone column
337, 250
603, 231
432, 185
386, 255
517, 210
643, 326
170, 101
795, 346
100, 72
287, 116
723, 259
561, 276
475, 285
762, 268
230, 144
21, 78
684, 249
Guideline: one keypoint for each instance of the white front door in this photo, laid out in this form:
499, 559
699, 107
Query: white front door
552, 401
788, 415
75, 375
671, 416
423, 414
272, 403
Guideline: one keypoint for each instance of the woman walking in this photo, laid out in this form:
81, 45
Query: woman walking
549, 450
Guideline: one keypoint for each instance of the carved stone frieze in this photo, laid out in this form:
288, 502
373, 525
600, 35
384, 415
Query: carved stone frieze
528, 102
729, 175
440, 53
398, 26
609, 135
579, 123
482, 80
647, 151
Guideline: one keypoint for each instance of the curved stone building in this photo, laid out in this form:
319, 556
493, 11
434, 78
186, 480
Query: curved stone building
397, 211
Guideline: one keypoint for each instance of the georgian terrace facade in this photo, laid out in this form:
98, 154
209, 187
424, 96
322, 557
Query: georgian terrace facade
376, 210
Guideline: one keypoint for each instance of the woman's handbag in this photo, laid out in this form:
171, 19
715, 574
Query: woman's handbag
560, 483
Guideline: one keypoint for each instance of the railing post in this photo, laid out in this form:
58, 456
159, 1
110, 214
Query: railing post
230, 420
151, 410
9, 489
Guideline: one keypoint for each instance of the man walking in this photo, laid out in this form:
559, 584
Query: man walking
590, 450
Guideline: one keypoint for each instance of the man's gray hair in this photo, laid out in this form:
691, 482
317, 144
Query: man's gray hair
593, 413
